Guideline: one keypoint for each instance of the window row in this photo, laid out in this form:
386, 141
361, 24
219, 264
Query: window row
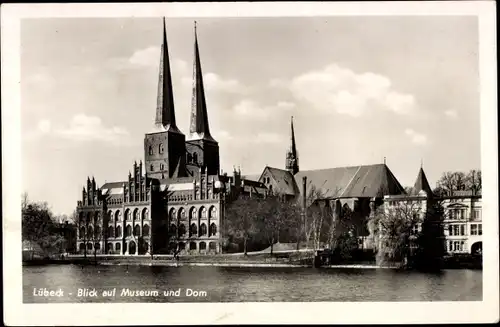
193, 230
457, 214
193, 213
457, 230
114, 232
161, 149
192, 158
476, 229
152, 167
131, 215
456, 246
212, 246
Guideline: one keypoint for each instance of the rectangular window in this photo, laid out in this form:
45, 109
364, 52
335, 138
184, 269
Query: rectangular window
462, 230
480, 229
462, 246
463, 214
456, 230
450, 246
473, 229
450, 230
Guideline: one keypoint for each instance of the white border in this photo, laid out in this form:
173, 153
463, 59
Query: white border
16, 313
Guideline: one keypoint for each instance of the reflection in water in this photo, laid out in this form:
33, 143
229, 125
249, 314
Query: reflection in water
228, 284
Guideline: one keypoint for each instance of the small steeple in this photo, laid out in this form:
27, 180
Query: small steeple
199, 128
165, 114
422, 184
292, 159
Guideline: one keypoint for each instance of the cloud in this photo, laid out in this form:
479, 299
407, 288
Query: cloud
335, 88
149, 56
451, 114
417, 138
214, 82
249, 109
44, 126
90, 128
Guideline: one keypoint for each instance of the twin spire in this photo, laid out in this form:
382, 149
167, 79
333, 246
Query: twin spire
165, 112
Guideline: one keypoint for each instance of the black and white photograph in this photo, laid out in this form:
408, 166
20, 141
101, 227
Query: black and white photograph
206, 155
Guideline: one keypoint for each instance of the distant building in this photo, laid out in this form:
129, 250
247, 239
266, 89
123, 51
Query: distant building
463, 228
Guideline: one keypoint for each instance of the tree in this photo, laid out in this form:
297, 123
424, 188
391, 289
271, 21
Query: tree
459, 181
474, 181
242, 217
39, 227
395, 231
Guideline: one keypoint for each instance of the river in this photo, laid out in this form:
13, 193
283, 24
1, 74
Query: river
224, 284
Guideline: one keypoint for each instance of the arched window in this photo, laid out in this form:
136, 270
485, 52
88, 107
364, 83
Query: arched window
212, 213
203, 229
117, 215
82, 246
171, 215
145, 214
145, 230
182, 213
213, 229
150, 150
182, 230
136, 214
182, 246
110, 214
110, 231
212, 246
87, 219
82, 232
97, 246
89, 246
118, 231
127, 214
192, 246
118, 246
193, 230
203, 212
97, 232
160, 148
152, 168
203, 246
192, 213
137, 230
195, 157
128, 230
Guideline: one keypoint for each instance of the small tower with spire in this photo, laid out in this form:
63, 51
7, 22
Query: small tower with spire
165, 147
292, 157
202, 148
421, 183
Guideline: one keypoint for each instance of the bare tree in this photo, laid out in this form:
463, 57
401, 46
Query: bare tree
395, 230
474, 181
452, 181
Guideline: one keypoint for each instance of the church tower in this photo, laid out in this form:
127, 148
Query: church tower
292, 157
202, 148
164, 148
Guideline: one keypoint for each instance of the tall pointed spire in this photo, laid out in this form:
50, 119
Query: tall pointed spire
292, 158
165, 114
199, 128
422, 184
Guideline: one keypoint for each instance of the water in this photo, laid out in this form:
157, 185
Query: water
224, 284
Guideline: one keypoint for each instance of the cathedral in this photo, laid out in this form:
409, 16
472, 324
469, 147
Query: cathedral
175, 200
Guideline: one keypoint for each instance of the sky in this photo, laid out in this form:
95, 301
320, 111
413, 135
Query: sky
360, 88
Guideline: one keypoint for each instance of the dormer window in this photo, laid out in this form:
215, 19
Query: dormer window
161, 148
150, 150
